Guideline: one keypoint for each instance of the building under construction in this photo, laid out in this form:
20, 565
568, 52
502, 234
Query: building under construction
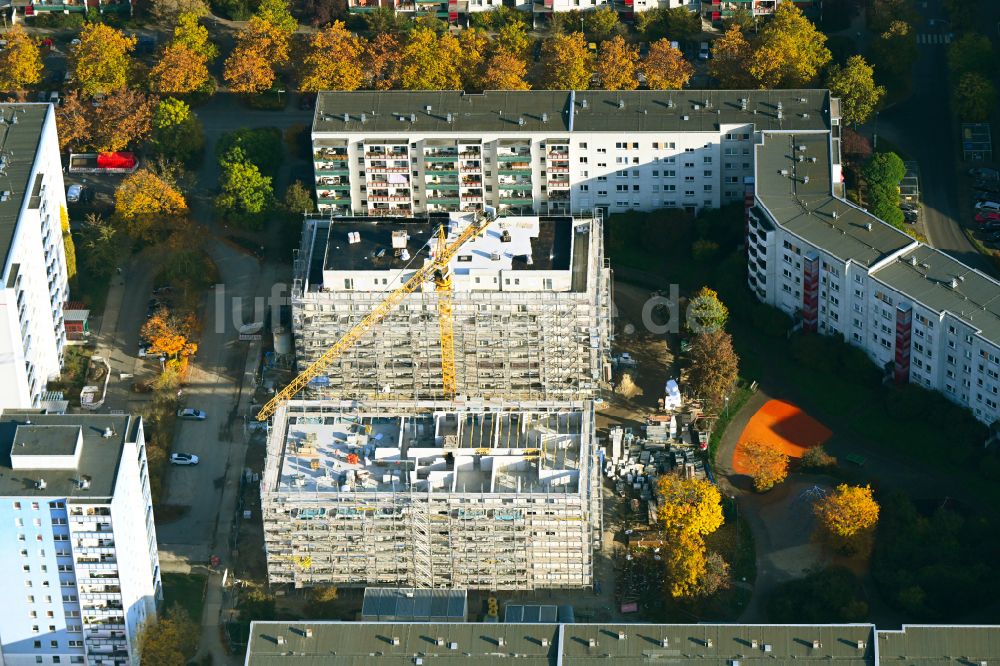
480, 495
531, 308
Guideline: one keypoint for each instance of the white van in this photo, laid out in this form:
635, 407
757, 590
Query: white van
988, 207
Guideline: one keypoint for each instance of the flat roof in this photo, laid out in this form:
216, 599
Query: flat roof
18, 146
942, 284
337, 643
366, 243
411, 604
45, 440
798, 194
98, 459
940, 645
402, 112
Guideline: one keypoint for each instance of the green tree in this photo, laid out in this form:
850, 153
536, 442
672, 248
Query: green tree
706, 312
682, 25
652, 24
245, 193
177, 133
298, 199
742, 18
976, 97
884, 170
102, 62
261, 146
972, 52
569, 65
855, 85
601, 23
790, 52
20, 60
513, 37
278, 14
383, 21
894, 51
102, 245
192, 35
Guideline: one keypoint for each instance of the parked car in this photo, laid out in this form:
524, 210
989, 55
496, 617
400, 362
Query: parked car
984, 216
54, 97
191, 414
183, 459
988, 206
74, 193
988, 185
911, 215
703, 51
984, 172
143, 349
536, 51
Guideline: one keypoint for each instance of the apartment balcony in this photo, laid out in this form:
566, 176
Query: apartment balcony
442, 186
519, 158
557, 154
441, 158
331, 155
558, 169
330, 169
334, 201
472, 168
385, 168
471, 153
515, 200
387, 155
332, 181
382, 198
442, 171
559, 195
472, 180
437, 199
390, 212
514, 186
558, 184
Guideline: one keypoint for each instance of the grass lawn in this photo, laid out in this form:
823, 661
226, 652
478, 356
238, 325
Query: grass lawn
185, 590
92, 290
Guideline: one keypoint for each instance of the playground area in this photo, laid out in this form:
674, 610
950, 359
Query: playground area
783, 426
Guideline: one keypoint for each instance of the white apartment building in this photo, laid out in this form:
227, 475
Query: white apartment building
717, 11
545, 152
78, 546
34, 281
495, 495
530, 300
916, 311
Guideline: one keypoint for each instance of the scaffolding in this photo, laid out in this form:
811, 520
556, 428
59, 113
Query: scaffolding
504, 534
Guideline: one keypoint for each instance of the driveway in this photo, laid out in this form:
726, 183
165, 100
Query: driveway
921, 127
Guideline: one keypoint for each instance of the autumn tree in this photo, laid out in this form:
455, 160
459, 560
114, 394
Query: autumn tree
474, 44
714, 367
298, 199
381, 61
616, 66
177, 134
767, 466
102, 61
730, 61
429, 62
333, 60
169, 333
260, 47
73, 120
601, 23
846, 518
894, 51
20, 60
182, 66
124, 118
665, 67
513, 37
688, 506
972, 52
855, 146
790, 52
278, 14
69, 248
855, 85
170, 640
569, 65
167, 12
975, 96
706, 312
144, 201
742, 17
102, 245
688, 510
505, 71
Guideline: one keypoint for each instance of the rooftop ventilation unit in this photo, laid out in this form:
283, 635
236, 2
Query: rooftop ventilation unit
697, 107
670, 103
754, 644
41, 485
450, 118
817, 645
309, 632
500, 641
452, 646
805, 180
708, 642
84, 483
394, 640
347, 117
280, 640
413, 117
861, 645
545, 642
784, 172
665, 642
868, 226
834, 214
364, 117
954, 283
108, 432
768, 647
803, 100
621, 635
545, 117
684, 117
913, 261
428, 108
743, 103
621, 104
520, 121
802, 147
592, 642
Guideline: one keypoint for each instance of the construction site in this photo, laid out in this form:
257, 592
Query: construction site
441, 431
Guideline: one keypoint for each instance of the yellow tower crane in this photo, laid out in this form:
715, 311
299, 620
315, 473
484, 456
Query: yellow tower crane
437, 270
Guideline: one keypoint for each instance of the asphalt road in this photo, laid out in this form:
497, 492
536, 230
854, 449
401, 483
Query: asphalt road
921, 128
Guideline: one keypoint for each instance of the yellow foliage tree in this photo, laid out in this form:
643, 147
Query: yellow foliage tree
20, 60
169, 334
689, 506
333, 61
685, 562
505, 71
514, 38
767, 465
730, 59
144, 198
101, 62
847, 516
260, 47
179, 70
790, 52
665, 67
616, 67
429, 62
473, 43
569, 65
68, 246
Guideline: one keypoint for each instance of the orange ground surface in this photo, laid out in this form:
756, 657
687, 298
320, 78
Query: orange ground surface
784, 426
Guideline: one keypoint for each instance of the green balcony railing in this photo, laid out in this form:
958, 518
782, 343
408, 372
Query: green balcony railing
442, 200
335, 202
526, 157
514, 186
333, 172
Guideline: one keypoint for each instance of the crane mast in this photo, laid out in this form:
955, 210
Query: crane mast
437, 270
